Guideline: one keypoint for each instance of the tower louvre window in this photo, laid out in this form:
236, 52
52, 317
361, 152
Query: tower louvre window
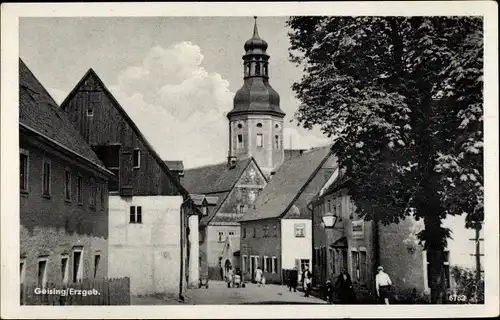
240, 141
259, 140
257, 69
277, 141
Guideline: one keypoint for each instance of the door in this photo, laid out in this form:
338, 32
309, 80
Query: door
344, 259
252, 267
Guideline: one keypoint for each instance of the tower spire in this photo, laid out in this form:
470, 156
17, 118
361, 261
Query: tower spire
255, 29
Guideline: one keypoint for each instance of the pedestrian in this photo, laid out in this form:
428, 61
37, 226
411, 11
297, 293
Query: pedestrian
306, 280
263, 281
229, 277
293, 278
329, 291
258, 276
344, 288
383, 285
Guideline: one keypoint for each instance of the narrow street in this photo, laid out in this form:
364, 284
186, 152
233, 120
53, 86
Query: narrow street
219, 293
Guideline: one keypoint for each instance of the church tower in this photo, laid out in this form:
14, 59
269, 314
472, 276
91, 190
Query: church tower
256, 120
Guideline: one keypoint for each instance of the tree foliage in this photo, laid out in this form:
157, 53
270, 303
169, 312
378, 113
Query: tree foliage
402, 98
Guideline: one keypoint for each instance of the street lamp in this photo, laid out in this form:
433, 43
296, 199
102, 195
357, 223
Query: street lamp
329, 220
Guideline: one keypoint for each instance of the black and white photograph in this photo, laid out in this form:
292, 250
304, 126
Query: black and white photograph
322, 159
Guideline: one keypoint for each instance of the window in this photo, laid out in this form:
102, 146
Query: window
266, 231
21, 271
244, 264
220, 236
23, 169
254, 232
46, 178
275, 231
79, 190
110, 156
259, 125
257, 69
300, 231
136, 159
135, 214
240, 141
97, 259
264, 264
276, 141
241, 208
93, 193
42, 273
329, 206
446, 267
244, 232
304, 263
356, 272
265, 70
64, 269
240, 126
247, 70
331, 260
231, 233
103, 195
362, 256
204, 210
259, 140
77, 265
274, 266
67, 186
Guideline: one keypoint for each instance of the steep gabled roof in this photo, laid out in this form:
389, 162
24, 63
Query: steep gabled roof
287, 185
130, 122
213, 178
39, 113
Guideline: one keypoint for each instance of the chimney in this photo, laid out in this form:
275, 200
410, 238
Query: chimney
231, 162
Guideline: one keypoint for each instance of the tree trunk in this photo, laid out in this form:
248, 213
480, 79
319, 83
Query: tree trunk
435, 259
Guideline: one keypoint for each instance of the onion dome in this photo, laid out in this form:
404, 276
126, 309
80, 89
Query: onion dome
255, 45
256, 96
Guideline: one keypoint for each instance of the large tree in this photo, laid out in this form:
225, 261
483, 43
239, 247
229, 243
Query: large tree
402, 99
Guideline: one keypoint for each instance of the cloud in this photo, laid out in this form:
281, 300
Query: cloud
181, 108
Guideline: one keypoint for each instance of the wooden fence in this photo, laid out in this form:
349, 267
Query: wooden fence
114, 291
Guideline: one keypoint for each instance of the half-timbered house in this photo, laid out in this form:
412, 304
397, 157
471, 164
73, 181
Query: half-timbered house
151, 214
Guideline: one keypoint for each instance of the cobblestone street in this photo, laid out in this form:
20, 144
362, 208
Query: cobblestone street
218, 293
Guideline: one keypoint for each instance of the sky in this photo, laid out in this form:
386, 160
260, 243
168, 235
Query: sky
175, 76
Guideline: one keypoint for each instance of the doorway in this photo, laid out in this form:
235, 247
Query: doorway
253, 266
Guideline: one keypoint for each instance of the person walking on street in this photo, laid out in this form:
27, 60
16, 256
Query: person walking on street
230, 277
383, 285
329, 291
344, 288
258, 276
293, 278
306, 280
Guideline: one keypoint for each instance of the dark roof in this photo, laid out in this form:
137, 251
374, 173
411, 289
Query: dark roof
215, 181
292, 153
213, 178
91, 73
174, 165
340, 182
287, 185
39, 112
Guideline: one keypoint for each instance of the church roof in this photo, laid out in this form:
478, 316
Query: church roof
256, 96
294, 184
39, 113
255, 45
215, 182
213, 178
